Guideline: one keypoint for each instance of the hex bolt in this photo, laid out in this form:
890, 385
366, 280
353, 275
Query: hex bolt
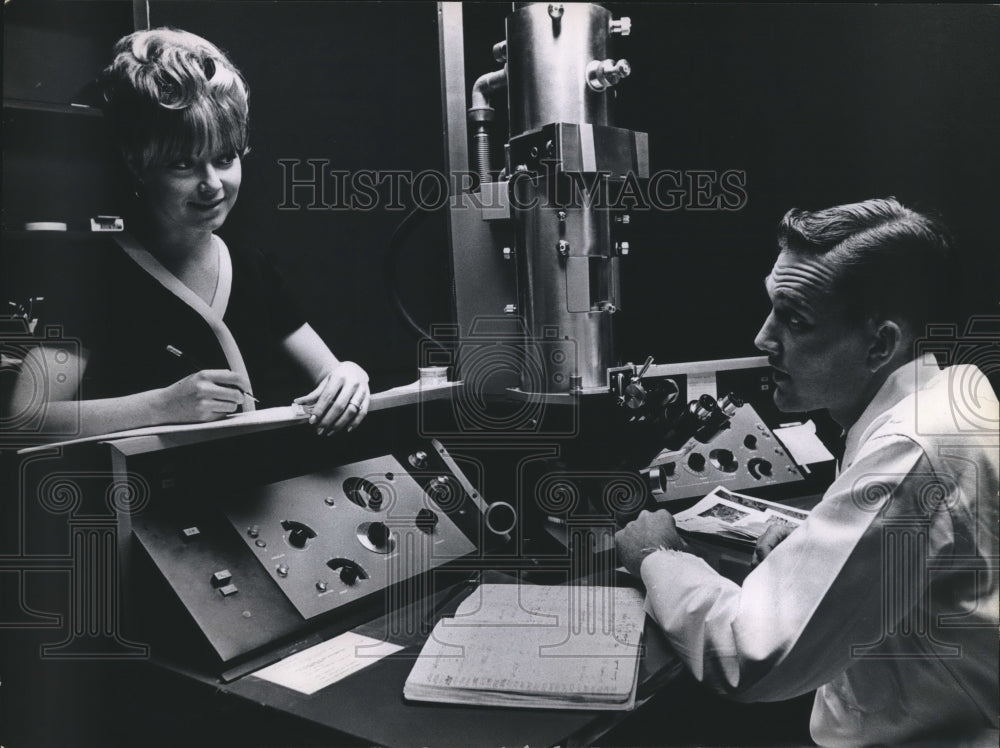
510, 309
556, 10
508, 253
563, 247
622, 26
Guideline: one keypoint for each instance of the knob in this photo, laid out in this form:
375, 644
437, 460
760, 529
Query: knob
602, 74
759, 468
418, 459
378, 534
426, 520
724, 460
657, 481
696, 462
349, 574
729, 403
635, 395
669, 391
750, 441
298, 533
703, 408
282, 570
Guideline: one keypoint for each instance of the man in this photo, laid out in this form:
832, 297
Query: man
886, 599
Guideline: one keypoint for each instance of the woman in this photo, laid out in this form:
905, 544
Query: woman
175, 327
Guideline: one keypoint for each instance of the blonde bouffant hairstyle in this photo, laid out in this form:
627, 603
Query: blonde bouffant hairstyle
170, 94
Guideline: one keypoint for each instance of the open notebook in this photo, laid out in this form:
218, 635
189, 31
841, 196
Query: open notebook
564, 646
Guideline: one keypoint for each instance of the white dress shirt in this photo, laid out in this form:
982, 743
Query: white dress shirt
886, 598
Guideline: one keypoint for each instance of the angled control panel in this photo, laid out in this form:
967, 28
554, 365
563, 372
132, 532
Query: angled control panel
259, 563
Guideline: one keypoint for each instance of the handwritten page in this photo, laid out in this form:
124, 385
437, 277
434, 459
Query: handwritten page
317, 667
565, 646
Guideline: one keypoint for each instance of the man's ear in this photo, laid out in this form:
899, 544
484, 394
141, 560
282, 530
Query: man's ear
886, 343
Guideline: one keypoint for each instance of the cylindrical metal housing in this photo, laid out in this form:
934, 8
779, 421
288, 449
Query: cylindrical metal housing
568, 288
547, 62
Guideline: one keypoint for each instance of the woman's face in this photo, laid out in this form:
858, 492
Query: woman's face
193, 193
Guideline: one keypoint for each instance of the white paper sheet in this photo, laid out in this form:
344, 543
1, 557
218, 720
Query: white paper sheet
317, 667
803, 444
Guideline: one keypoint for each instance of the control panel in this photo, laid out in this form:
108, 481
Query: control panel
743, 453
335, 536
258, 563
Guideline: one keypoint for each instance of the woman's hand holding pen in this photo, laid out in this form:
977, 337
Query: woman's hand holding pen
340, 400
206, 395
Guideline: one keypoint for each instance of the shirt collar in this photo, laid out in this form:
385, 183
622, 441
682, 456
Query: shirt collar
912, 376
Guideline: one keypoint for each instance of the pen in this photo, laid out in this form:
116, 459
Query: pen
197, 366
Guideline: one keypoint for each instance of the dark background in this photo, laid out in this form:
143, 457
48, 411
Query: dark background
817, 104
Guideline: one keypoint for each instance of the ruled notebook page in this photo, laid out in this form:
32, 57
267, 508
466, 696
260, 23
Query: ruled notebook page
535, 646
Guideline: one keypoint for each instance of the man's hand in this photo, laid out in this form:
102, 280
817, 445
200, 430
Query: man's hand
649, 532
767, 542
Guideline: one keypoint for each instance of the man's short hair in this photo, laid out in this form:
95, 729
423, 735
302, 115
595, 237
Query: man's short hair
890, 261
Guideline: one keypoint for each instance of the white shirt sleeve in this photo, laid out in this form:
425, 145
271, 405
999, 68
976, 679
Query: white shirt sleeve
791, 626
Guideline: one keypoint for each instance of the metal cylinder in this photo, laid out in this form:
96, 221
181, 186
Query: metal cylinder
567, 298
547, 60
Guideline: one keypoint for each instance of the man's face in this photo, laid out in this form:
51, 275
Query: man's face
819, 354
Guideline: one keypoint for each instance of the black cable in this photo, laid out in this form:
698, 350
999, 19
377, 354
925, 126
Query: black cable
396, 243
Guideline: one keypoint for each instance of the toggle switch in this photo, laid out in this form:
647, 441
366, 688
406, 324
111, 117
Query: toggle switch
221, 578
190, 533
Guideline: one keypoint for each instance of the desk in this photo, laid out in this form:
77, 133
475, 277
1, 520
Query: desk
368, 706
